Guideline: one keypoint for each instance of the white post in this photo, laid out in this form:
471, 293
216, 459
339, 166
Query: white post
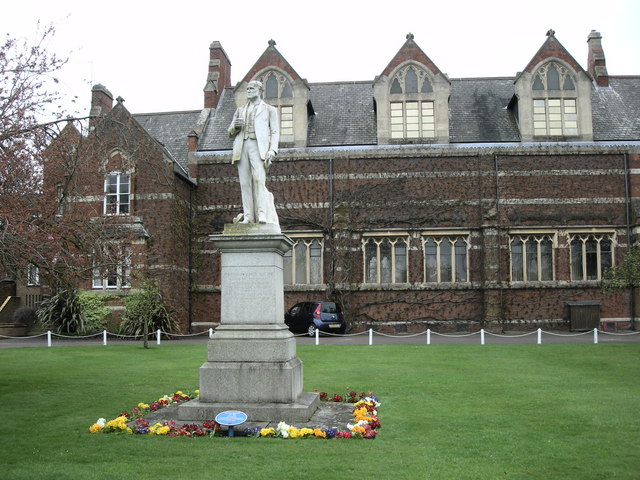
539, 336
210, 332
428, 336
482, 336
595, 335
48, 338
104, 337
317, 333
371, 336
158, 336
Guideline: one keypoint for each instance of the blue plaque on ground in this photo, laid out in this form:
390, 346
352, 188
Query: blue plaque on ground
230, 418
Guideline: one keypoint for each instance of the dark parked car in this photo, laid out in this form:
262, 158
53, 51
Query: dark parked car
306, 317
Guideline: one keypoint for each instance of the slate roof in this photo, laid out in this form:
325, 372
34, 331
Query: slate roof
215, 136
171, 130
616, 110
478, 111
344, 115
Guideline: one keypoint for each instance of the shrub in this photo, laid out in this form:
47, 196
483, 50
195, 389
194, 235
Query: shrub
62, 313
94, 311
625, 275
146, 311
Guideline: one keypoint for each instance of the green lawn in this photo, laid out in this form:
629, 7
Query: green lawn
448, 412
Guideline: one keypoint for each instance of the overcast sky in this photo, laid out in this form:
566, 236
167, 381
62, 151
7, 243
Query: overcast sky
155, 54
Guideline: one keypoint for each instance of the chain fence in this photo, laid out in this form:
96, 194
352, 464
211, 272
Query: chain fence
369, 337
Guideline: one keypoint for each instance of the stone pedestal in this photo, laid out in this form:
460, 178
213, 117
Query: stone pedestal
251, 360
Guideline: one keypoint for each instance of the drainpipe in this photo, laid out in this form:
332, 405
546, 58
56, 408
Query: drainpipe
189, 255
332, 232
627, 194
498, 236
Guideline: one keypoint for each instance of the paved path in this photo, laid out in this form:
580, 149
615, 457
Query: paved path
512, 338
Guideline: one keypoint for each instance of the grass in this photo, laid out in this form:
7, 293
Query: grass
449, 412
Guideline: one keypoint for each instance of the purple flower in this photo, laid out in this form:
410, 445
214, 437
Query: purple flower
331, 432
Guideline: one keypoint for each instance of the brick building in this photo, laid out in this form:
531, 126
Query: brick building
416, 199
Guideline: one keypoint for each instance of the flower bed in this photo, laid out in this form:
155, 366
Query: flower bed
365, 418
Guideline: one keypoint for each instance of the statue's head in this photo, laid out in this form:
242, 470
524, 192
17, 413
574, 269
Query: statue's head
254, 88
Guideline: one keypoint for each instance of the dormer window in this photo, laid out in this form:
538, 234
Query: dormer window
278, 92
412, 104
555, 105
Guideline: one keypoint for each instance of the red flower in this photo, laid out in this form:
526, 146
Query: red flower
210, 425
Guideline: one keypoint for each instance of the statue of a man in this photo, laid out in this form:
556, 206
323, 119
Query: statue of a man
256, 130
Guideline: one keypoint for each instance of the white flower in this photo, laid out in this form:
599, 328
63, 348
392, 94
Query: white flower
283, 427
371, 400
102, 422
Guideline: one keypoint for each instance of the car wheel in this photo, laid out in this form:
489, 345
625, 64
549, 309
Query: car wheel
311, 330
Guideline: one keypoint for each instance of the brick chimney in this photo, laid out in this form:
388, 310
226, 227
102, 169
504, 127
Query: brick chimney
596, 62
219, 76
101, 102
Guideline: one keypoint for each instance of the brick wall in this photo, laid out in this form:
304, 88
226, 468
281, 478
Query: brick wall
413, 194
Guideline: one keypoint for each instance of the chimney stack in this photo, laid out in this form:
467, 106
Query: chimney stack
101, 102
219, 76
596, 62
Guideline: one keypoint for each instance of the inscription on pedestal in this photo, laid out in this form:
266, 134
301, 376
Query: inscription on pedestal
249, 296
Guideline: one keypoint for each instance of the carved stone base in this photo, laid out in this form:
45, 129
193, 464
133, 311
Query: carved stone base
296, 412
251, 359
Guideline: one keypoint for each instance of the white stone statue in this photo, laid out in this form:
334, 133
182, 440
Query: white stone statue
256, 130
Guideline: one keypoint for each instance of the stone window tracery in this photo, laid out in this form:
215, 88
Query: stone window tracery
385, 259
445, 258
531, 258
302, 265
278, 92
555, 106
591, 255
412, 105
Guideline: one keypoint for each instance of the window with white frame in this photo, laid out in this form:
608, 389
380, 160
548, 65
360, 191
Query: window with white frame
555, 111
591, 255
303, 263
531, 258
412, 119
446, 258
33, 275
117, 194
385, 259
112, 266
